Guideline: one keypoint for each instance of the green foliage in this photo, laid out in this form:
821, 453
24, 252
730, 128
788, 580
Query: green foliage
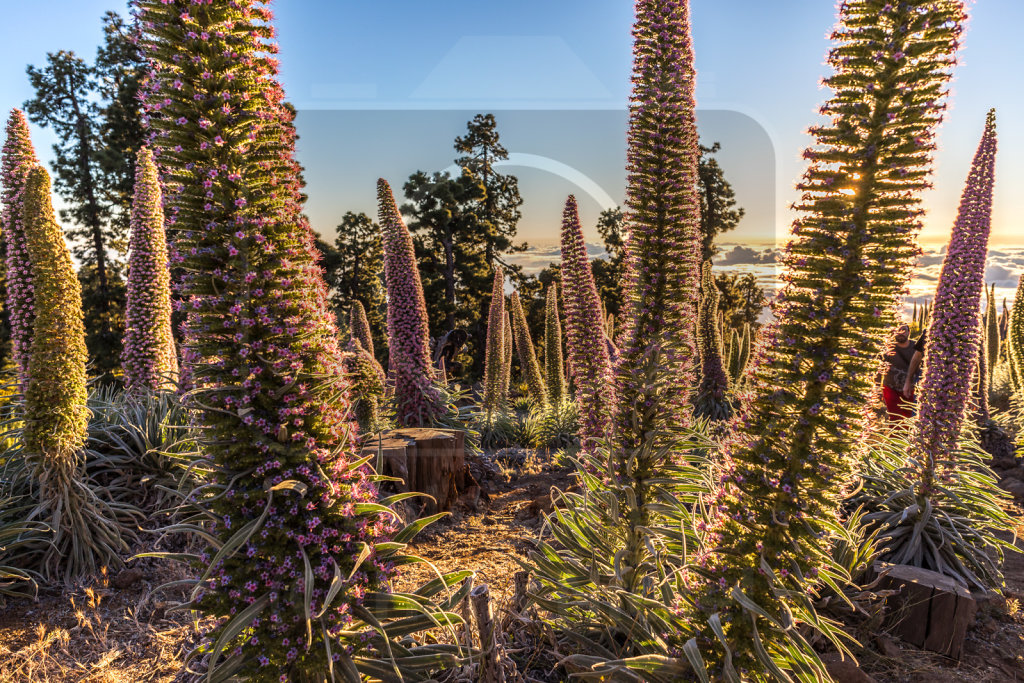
742, 300
958, 531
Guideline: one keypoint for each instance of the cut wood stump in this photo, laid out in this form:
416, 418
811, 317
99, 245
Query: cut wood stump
430, 461
930, 611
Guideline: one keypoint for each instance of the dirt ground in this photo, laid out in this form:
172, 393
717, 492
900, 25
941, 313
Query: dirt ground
119, 631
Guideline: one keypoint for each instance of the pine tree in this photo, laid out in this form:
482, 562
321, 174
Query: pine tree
852, 250
354, 270
554, 372
149, 358
417, 400
527, 354
717, 201
261, 348
589, 364
17, 159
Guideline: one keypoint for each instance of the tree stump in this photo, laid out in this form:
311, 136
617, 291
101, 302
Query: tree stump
931, 611
431, 461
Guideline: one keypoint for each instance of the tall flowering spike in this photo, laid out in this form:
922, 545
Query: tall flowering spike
589, 362
149, 358
506, 370
527, 355
712, 398
1015, 338
494, 348
417, 400
56, 417
953, 338
657, 353
554, 371
367, 385
269, 387
359, 326
991, 333
17, 158
853, 249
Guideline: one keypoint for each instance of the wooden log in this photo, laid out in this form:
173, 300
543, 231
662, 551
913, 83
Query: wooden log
430, 461
930, 611
491, 670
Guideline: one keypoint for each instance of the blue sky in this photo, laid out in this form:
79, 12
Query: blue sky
382, 89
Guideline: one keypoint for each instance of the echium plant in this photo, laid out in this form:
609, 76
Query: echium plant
359, 331
589, 363
936, 504
359, 326
852, 251
506, 369
657, 345
291, 503
712, 399
367, 386
417, 401
953, 338
149, 357
18, 157
84, 536
527, 354
1015, 340
554, 371
494, 346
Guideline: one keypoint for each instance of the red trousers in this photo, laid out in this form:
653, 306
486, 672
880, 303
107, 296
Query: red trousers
896, 404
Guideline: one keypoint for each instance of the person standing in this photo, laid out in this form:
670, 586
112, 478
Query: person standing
898, 357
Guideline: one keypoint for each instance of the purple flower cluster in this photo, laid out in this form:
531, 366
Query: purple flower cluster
18, 157
260, 342
657, 345
149, 357
554, 371
494, 346
417, 400
527, 355
953, 339
589, 363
